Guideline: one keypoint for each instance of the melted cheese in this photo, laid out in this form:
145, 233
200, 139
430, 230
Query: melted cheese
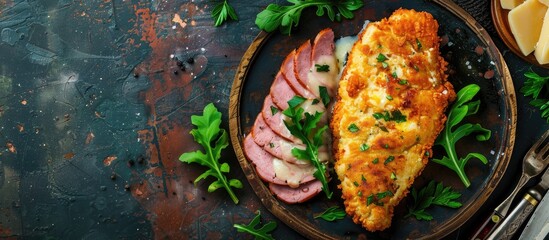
293, 174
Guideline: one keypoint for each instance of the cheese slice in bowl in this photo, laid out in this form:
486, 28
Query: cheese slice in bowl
390, 108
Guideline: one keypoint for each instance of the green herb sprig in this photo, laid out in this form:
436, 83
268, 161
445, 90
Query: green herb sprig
432, 194
285, 17
259, 233
221, 11
462, 108
533, 86
331, 214
304, 126
214, 139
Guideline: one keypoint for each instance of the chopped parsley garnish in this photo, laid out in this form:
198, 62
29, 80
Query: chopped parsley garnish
418, 43
364, 147
315, 101
322, 68
271, 145
375, 161
353, 128
395, 115
381, 57
377, 198
394, 74
385, 145
363, 178
416, 68
370, 199
402, 82
393, 176
274, 110
389, 159
324, 95
389, 97
356, 184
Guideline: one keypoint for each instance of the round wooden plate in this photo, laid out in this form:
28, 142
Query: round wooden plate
499, 17
472, 57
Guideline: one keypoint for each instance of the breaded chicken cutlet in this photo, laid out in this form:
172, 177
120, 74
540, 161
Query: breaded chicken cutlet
390, 108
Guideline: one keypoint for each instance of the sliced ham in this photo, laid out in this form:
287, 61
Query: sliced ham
296, 195
281, 92
308, 57
302, 65
287, 70
275, 120
323, 54
279, 147
262, 160
274, 170
269, 146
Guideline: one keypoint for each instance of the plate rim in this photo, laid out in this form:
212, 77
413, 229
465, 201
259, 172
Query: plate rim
305, 228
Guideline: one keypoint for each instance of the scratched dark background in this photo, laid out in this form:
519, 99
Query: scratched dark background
95, 103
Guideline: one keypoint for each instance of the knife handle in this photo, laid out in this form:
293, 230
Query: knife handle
487, 227
516, 218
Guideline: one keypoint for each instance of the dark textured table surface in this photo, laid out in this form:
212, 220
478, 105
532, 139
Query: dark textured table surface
95, 110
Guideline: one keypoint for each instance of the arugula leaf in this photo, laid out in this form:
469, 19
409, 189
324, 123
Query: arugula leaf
533, 86
214, 139
331, 214
462, 108
221, 11
285, 17
432, 194
304, 126
258, 233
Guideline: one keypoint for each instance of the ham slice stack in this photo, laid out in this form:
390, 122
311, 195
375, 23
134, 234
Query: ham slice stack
269, 144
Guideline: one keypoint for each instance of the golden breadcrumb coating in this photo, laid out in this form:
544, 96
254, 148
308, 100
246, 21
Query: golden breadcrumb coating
389, 110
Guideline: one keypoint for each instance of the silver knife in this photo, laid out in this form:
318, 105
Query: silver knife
522, 211
538, 225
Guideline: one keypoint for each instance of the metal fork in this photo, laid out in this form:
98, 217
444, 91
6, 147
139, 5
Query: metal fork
534, 162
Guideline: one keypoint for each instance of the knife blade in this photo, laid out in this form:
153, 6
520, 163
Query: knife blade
538, 225
522, 211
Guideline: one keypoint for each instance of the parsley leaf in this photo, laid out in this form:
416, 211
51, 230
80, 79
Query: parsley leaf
395, 115
305, 126
322, 68
448, 138
324, 95
533, 86
221, 11
381, 58
331, 214
285, 17
353, 128
214, 139
432, 194
259, 233
418, 43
